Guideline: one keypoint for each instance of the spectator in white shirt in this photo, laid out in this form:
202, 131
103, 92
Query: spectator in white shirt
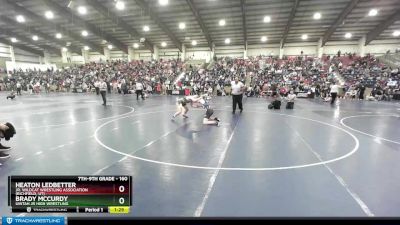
18, 88
97, 87
149, 89
290, 100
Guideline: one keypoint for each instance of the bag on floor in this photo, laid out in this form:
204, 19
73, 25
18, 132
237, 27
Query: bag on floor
290, 105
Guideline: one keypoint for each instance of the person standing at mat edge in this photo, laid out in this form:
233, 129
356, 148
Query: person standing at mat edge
237, 94
334, 92
103, 90
139, 90
19, 86
97, 87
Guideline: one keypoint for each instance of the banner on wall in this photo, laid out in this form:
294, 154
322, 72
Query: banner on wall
10, 66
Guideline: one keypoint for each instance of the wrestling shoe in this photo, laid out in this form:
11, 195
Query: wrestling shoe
4, 148
4, 155
184, 116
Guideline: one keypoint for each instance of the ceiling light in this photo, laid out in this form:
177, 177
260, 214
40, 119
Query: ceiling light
317, 16
194, 43
136, 45
120, 5
396, 33
86, 48
267, 19
222, 22
163, 2
84, 33
373, 12
82, 10
304, 36
20, 18
64, 49
13, 40
49, 14
227, 41
146, 28
58, 35
182, 26
163, 44
110, 47
264, 38
35, 38
348, 35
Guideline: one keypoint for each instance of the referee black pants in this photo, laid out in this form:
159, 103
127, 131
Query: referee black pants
237, 99
139, 92
333, 95
103, 95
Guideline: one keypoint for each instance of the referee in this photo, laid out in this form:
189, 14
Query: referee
334, 92
103, 90
139, 90
237, 94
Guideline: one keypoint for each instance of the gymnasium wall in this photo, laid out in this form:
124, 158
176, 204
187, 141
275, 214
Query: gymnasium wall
117, 54
20, 55
167, 54
331, 48
377, 47
311, 48
4, 55
380, 47
231, 51
26, 57
198, 53
4, 51
78, 59
142, 55
55, 59
293, 49
96, 57
265, 49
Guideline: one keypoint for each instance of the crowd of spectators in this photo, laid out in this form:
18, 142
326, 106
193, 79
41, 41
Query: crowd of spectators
120, 75
262, 75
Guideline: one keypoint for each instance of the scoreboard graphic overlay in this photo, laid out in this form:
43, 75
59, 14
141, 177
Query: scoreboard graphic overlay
70, 194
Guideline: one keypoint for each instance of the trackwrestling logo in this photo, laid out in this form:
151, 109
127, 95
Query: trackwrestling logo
33, 220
